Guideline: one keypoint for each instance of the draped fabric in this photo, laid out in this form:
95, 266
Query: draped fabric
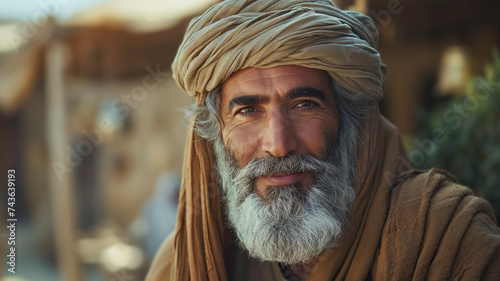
404, 225
234, 35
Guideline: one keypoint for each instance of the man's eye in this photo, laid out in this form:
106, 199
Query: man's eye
245, 111
306, 104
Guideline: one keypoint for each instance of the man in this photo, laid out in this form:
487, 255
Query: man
290, 171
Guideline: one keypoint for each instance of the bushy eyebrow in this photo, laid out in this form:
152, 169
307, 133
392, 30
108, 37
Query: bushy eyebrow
246, 100
306, 92
300, 92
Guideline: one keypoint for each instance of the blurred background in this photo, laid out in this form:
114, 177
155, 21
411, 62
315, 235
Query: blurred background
90, 120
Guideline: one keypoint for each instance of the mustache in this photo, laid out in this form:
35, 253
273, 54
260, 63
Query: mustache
290, 163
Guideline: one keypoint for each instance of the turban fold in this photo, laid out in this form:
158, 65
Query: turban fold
238, 34
403, 225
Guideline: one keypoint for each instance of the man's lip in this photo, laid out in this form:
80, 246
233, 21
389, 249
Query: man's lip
283, 178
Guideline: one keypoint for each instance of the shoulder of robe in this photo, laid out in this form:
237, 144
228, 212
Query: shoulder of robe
435, 189
437, 229
163, 263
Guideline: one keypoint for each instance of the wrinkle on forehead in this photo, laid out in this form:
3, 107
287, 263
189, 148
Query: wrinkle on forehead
272, 81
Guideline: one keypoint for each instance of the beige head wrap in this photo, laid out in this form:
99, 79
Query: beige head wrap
234, 35
237, 34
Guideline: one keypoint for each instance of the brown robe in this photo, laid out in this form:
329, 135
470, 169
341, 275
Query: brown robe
405, 225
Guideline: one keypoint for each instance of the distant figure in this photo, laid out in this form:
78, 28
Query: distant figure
160, 212
291, 172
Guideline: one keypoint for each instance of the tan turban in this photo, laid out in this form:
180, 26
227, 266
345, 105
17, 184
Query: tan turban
234, 35
403, 225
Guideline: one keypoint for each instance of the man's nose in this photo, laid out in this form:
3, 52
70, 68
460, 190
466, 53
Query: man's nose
279, 138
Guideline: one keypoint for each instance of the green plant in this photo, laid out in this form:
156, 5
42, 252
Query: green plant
462, 136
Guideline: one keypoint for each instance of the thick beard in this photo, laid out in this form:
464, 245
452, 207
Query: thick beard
288, 225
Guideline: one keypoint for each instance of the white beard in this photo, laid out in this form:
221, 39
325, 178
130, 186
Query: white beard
287, 225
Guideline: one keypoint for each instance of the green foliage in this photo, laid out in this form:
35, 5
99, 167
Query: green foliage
462, 136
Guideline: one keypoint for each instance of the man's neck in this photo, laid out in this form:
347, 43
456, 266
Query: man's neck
298, 272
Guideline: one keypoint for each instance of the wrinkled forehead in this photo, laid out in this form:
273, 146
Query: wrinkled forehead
276, 79
235, 35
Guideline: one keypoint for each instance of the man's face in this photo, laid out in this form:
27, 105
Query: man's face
284, 166
276, 112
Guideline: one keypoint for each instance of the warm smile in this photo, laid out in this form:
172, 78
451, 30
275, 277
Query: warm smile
283, 178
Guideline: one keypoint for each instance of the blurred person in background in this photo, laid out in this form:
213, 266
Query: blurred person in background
291, 172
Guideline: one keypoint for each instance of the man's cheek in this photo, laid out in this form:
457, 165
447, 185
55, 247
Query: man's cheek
233, 151
315, 142
244, 149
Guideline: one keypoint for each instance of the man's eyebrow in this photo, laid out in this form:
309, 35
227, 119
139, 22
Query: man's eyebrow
246, 100
306, 92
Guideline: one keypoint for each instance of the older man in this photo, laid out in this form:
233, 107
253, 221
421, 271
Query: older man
290, 171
